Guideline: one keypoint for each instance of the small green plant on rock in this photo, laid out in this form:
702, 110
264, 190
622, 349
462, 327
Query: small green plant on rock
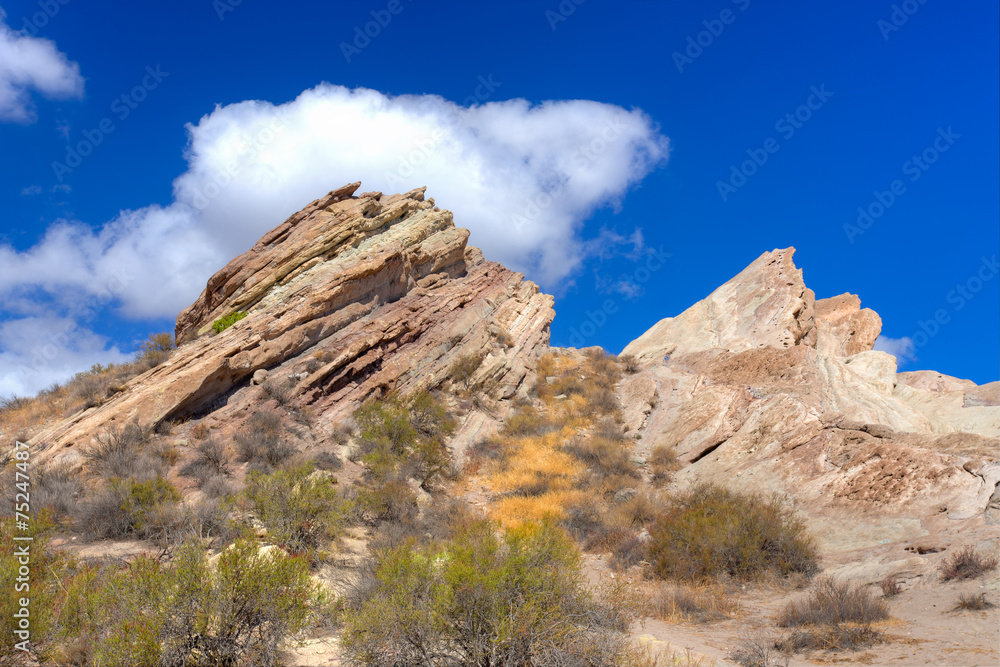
223, 323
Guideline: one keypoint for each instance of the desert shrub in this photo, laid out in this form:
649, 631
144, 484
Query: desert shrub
56, 488
973, 602
241, 612
527, 422
698, 603
14, 402
217, 487
628, 552
582, 520
484, 599
261, 440
629, 363
392, 501
200, 432
603, 401
569, 385
327, 461
223, 323
967, 563
493, 449
119, 451
341, 433
45, 568
603, 456
663, 462
301, 511
890, 586
710, 531
129, 508
405, 437
464, 367
210, 461
154, 350
279, 390
756, 647
610, 430
639, 510
834, 602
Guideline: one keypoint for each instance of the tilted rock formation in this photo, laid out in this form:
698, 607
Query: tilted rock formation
767, 304
351, 297
764, 388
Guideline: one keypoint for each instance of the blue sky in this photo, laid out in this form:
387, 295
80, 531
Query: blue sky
657, 148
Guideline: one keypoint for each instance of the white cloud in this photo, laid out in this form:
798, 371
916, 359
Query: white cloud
31, 190
32, 63
902, 348
522, 177
36, 352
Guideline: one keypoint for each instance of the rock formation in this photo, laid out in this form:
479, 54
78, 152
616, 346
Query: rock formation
353, 296
764, 388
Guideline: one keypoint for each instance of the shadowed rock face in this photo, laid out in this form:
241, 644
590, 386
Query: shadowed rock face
353, 296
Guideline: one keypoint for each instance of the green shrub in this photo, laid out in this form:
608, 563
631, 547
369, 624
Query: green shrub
484, 599
465, 367
242, 611
223, 323
710, 531
301, 511
128, 508
401, 438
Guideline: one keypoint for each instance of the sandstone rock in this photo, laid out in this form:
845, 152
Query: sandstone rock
361, 294
765, 305
843, 327
259, 376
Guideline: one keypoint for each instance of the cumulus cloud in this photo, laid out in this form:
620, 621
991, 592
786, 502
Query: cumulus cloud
32, 63
902, 348
522, 177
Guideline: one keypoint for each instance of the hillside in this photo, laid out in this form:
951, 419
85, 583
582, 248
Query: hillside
361, 393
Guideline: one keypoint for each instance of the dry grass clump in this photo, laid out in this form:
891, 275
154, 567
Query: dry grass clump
834, 616
120, 451
464, 367
604, 457
711, 532
967, 563
629, 363
278, 389
973, 602
663, 463
705, 603
261, 441
211, 460
890, 586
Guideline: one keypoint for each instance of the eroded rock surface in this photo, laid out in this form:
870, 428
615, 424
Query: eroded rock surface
353, 296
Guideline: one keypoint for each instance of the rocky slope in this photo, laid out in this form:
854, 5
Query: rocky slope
353, 296
762, 387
